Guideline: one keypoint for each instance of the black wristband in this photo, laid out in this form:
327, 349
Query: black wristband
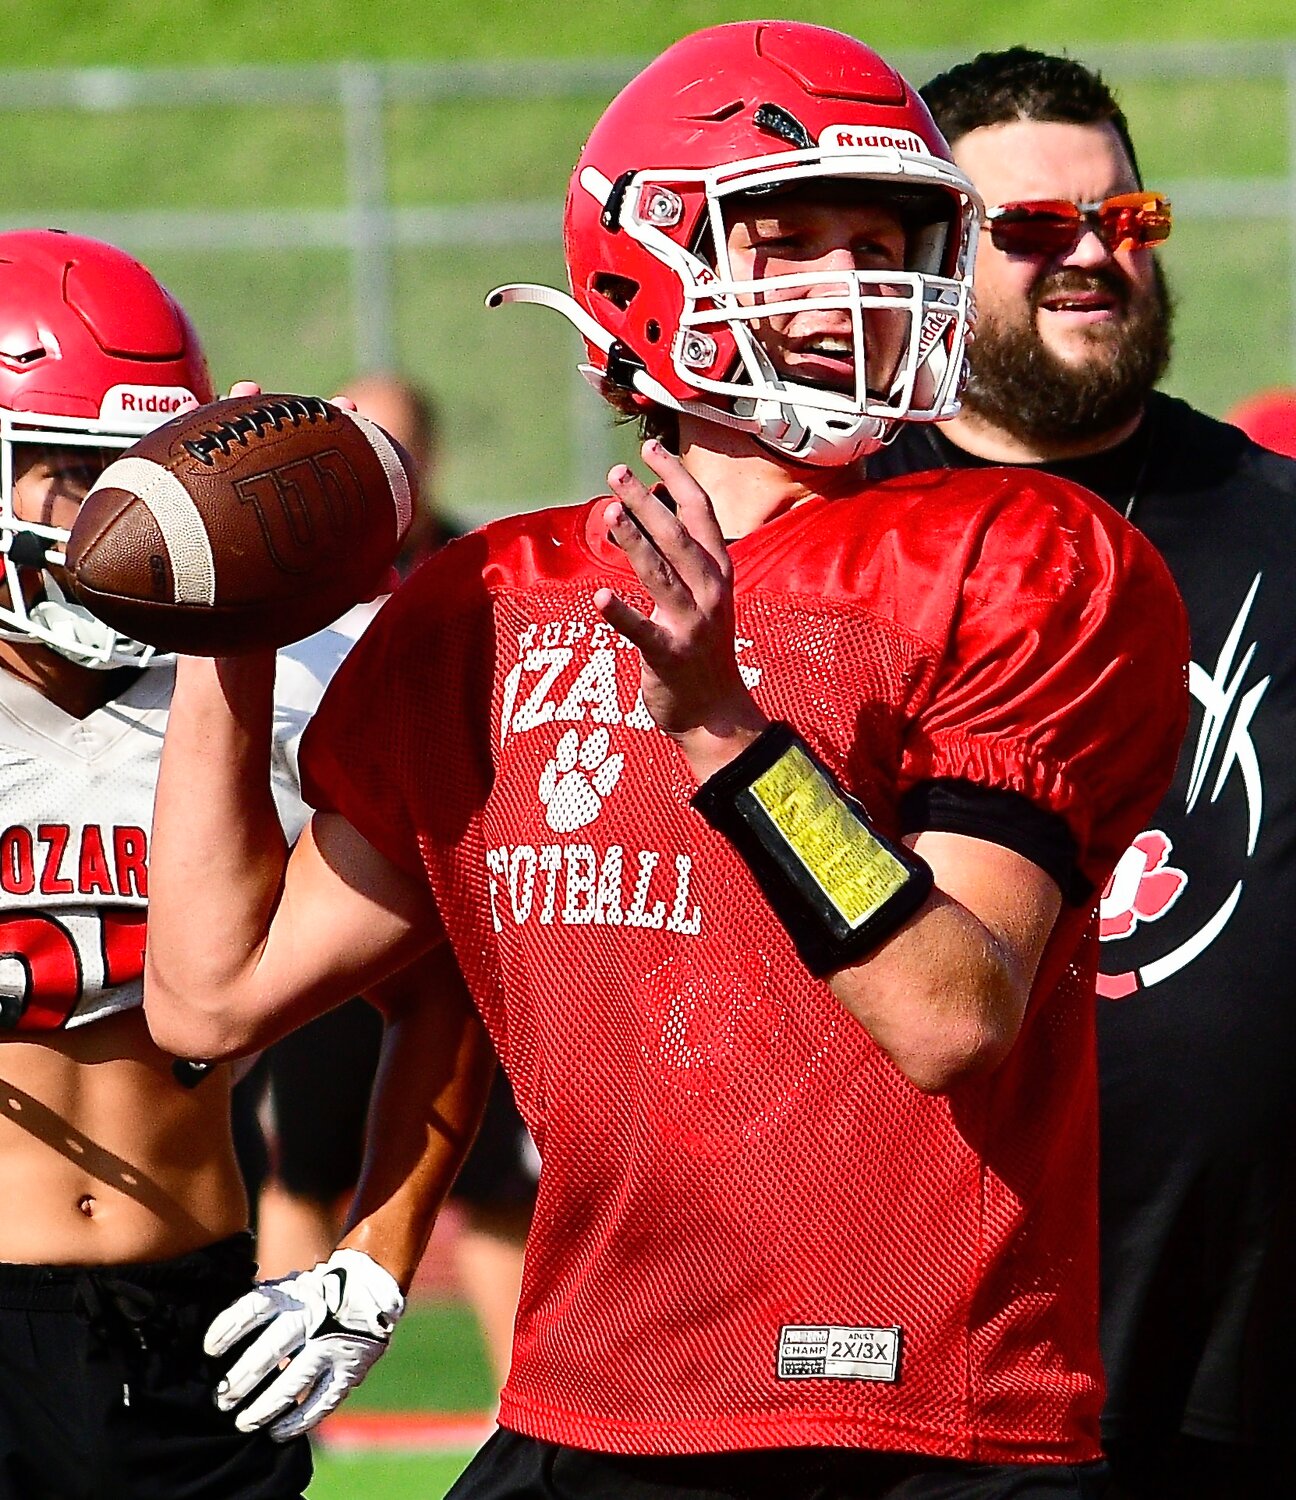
838, 886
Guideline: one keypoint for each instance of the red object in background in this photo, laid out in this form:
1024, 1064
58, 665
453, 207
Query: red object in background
1270, 418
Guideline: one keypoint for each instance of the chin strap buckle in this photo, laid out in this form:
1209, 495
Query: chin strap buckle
610, 217
623, 365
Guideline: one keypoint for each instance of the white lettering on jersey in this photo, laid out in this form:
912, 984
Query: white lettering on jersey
595, 687
640, 914
681, 919
550, 864
580, 672
579, 888
574, 673
539, 708
582, 867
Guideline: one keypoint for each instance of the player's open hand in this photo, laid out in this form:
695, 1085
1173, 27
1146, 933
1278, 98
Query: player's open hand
690, 678
318, 1334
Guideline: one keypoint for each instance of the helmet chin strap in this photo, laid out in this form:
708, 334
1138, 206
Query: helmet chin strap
820, 439
73, 632
833, 450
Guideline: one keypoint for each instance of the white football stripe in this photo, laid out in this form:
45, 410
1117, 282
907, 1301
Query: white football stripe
183, 532
390, 460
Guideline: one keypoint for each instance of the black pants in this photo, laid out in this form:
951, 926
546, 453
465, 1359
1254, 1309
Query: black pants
512, 1467
106, 1394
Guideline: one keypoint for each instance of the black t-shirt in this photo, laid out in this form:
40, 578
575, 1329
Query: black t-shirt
1197, 1015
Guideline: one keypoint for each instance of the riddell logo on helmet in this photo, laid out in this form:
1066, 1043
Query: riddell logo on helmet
858, 138
143, 405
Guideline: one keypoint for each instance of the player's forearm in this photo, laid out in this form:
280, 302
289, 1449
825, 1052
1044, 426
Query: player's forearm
932, 949
428, 1099
218, 851
943, 998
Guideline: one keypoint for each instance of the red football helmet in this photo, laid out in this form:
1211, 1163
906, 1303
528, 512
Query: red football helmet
1268, 418
94, 352
749, 108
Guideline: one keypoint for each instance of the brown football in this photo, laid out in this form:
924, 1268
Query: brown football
242, 525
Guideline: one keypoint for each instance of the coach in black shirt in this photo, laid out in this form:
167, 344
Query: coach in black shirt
1197, 1007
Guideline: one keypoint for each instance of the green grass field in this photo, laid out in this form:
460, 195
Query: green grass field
436, 1362
401, 1476
147, 31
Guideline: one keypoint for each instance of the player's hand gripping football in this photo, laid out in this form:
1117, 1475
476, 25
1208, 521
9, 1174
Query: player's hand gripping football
330, 1323
689, 672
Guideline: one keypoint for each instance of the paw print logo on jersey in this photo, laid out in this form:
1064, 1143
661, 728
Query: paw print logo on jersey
575, 782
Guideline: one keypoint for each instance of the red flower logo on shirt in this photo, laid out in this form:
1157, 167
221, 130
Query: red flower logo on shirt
1143, 886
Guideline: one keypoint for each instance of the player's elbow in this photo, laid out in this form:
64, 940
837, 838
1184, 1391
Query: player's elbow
195, 1040
965, 1028
936, 1064
184, 1027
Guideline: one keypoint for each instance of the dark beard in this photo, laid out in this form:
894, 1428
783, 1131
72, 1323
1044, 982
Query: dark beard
1017, 383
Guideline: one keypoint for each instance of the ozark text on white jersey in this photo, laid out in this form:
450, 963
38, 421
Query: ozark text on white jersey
76, 805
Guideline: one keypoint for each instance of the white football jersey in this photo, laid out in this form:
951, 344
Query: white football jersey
76, 806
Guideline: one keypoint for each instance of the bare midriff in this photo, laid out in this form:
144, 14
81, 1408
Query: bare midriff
105, 1158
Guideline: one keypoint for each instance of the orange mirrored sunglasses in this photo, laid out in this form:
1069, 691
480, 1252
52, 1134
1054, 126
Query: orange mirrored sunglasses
1053, 226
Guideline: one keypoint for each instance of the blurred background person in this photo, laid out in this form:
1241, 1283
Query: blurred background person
1197, 1030
1268, 418
313, 1087
407, 411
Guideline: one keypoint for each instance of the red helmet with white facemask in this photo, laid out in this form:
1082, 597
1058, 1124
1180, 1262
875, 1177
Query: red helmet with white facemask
760, 108
94, 352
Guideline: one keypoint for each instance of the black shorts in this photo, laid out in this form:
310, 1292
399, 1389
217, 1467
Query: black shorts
105, 1390
500, 1169
512, 1467
1190, 1468
320, 1078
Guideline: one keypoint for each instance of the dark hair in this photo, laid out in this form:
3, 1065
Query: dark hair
653, 421
998, 87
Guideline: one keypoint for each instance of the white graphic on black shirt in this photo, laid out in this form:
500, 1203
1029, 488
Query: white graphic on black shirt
1144, 885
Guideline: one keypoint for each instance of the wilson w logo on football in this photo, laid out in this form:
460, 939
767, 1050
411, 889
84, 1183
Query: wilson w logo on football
305, 508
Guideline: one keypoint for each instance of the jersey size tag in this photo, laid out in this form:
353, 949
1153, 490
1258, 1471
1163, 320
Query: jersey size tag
831, 1353
839, 853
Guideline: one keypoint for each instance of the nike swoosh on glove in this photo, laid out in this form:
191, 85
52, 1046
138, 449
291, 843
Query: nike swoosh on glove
330, 1323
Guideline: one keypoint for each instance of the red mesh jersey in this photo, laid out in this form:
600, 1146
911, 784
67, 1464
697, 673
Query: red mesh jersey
752, 1231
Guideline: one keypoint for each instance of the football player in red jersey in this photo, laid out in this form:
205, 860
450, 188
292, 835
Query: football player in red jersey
126, 1221
770, 855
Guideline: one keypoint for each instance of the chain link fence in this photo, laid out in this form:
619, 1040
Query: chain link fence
325, 219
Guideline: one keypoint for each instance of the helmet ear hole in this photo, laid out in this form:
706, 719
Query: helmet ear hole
620, 291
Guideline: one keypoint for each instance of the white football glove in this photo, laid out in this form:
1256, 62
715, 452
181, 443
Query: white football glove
330, 1324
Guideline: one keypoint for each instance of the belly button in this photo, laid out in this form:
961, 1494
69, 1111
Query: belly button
87, 1206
